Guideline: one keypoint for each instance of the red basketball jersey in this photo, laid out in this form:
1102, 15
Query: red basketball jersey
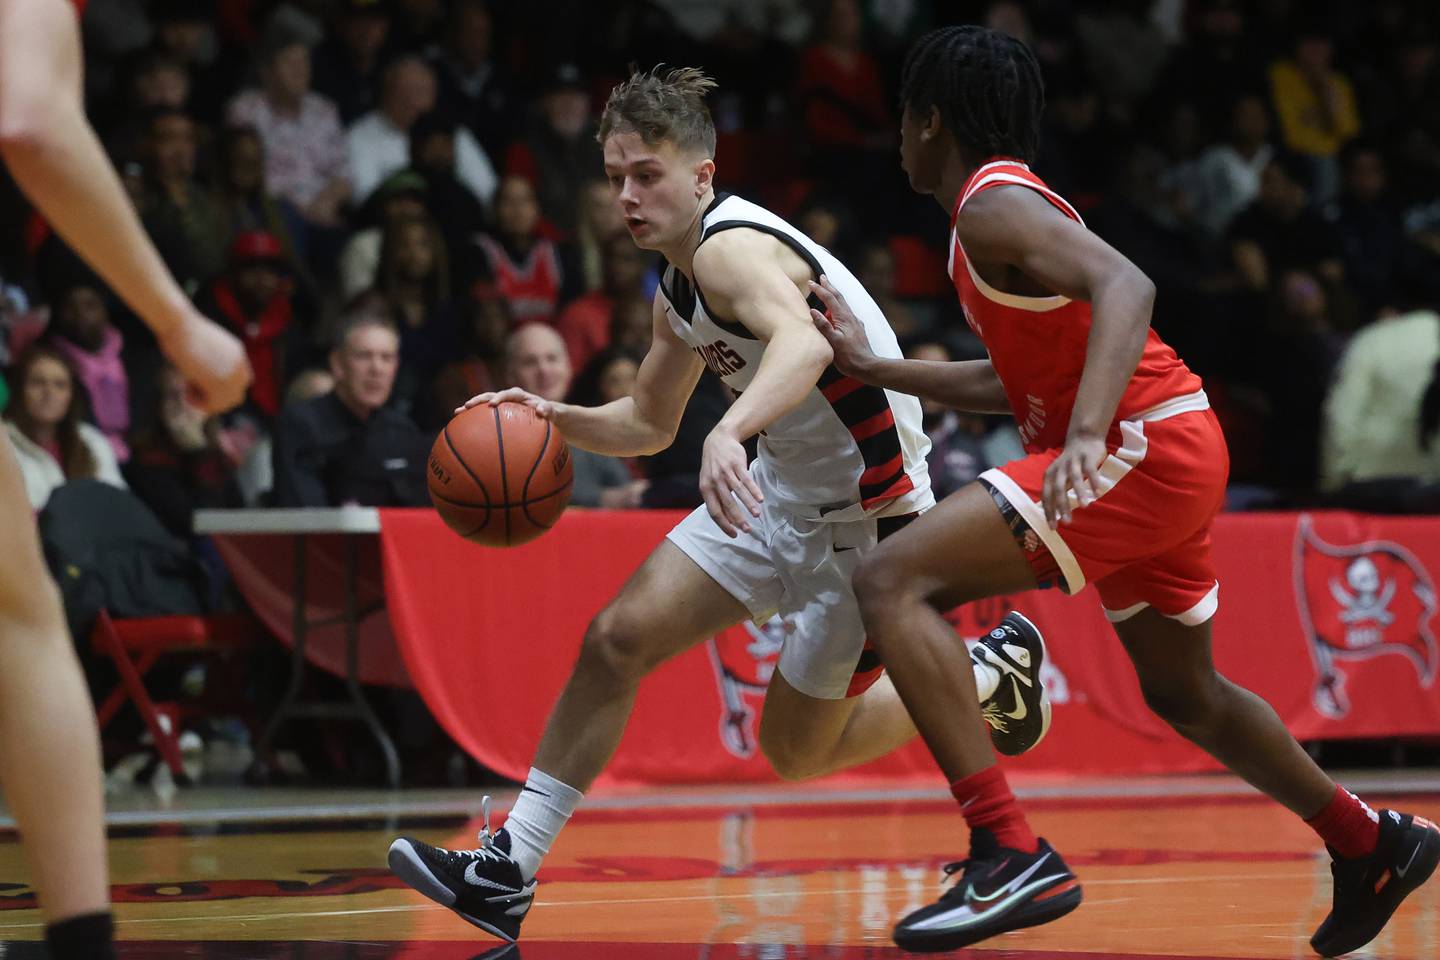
1038, 344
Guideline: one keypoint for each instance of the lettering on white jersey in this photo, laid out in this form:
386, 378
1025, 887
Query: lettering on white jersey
720, 359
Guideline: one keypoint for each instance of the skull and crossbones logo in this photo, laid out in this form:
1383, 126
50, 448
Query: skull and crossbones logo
1370, 599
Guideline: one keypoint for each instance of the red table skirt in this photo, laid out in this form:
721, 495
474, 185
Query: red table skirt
1327, 616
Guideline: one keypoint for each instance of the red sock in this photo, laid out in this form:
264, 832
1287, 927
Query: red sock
1348, 825
986, 801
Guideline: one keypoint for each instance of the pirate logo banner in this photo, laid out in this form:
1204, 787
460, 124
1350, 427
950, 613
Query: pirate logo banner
1360, 601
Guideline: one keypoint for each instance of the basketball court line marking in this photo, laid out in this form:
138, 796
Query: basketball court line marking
620, 901
467, 804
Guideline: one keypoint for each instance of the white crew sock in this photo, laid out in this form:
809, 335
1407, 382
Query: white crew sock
542, 809
987, 678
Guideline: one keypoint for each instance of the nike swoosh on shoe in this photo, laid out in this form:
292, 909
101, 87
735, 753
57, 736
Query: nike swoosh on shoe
475, 880
1401, 871
1021, 711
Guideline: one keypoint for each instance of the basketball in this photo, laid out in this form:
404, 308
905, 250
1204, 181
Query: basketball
500, 476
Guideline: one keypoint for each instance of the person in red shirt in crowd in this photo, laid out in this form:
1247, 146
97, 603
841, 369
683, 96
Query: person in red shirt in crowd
847, 121
587, 323
1124, 473
535, 275
253, 298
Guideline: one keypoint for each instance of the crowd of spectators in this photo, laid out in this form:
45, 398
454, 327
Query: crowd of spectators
398, 204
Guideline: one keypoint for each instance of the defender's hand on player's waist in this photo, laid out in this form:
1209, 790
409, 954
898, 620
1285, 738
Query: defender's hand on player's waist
544, 409
726, 484
839, 325
1078, 469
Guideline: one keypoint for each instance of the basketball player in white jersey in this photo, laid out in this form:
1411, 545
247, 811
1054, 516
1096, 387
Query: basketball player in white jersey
840, 465
49, 747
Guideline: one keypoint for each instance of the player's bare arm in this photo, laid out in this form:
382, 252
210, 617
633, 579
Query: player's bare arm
639, 425
58, 162
753, 279
969, 385
1013, 229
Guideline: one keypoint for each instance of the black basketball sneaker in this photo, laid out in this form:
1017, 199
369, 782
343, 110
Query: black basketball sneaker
484, 886
1018, 712
999, 890
1369, 889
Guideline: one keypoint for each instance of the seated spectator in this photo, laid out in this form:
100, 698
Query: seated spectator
156, 80
305, 151
558, 151
876, 272
247, 205
473, 85
535, 275
81, 329
1122, 48
830, 222
1229, 173
535, 361
348, 61
1217, 64
51, 441
179, 465
184, 30
400, 197
455, 208
253, 300
484, 328
1296, 356
1315, 104
1280, 230
184, 221
586, 322
633, 324
597, 220
843, 105
379, 141
413, 290
1381, 438
1368, 227
347, 446
256, 472
610, 376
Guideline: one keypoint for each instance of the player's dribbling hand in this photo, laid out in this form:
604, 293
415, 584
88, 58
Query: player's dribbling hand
1076, 469
726, 484
543, 408
841, 328
211, 359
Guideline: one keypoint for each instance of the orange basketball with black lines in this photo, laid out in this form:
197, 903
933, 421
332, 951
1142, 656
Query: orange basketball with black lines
500, 476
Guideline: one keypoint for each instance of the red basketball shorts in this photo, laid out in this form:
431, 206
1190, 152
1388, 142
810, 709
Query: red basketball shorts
1146, 540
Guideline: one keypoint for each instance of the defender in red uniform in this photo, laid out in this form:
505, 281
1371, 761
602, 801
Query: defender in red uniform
1125, 470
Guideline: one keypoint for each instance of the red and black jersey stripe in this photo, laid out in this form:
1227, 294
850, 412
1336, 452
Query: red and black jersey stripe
865, 411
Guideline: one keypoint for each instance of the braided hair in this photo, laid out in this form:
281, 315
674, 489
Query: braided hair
986, 85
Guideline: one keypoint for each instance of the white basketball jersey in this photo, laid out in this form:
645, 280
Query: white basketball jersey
848, 449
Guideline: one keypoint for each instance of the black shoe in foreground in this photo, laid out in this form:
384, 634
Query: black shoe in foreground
1369, 889
1018, 712
999, 889
484, 886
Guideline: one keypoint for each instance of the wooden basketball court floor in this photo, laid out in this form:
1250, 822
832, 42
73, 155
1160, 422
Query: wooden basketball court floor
1192, 867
